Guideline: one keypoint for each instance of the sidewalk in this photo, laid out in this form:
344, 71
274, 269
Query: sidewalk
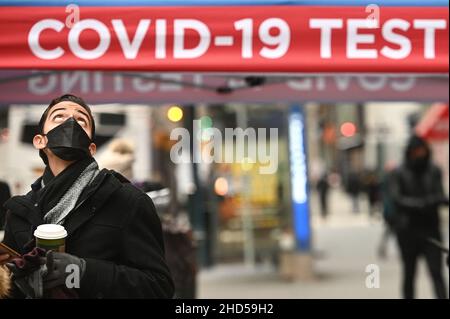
343, 247
344, 254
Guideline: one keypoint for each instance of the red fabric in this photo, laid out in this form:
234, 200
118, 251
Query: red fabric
304, 40
434, 126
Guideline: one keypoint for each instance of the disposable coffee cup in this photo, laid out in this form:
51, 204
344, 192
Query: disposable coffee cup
51, 237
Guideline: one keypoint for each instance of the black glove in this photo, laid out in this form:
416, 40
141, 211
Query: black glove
58, 272
30, 284
28, 271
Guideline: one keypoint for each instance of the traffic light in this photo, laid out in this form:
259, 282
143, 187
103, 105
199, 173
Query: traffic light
175, 113
348, 129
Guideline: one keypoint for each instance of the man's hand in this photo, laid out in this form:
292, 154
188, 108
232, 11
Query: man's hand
3, 258
28, 271
57, 265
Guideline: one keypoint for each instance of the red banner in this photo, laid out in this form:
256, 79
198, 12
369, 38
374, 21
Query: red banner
227, 39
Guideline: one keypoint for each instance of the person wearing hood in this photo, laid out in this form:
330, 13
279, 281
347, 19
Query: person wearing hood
114, 232
119, 157
416, 190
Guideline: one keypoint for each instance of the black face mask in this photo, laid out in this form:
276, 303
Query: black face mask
419, 164
69, 141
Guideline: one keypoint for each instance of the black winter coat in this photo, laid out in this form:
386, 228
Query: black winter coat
115, 228
416, 199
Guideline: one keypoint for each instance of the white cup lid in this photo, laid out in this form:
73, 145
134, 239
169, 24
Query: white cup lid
50, 231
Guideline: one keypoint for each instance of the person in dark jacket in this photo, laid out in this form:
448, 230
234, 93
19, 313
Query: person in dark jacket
417, 192
387, 210
354, 187
323, 187
5, 194
114, 232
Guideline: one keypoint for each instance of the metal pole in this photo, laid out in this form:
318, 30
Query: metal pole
298, 163
247, 223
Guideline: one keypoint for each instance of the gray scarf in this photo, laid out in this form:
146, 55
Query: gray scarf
60, 211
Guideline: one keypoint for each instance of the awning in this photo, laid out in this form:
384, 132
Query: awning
23, 87
199, 36
434, 125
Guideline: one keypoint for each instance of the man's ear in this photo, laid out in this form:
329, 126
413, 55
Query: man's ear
92, 149
39, 142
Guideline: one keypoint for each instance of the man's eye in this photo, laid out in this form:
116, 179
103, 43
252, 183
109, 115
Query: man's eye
82, 121
59, 116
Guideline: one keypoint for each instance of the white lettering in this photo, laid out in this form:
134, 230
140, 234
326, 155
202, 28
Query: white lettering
354, 38
429, 26
171, 82
69, 79
74, 38
405, 84
179, 49
403, 42
140, 85
372, 83
325, 26
33, 39
36, 84
161, 30
300, 85
130, 49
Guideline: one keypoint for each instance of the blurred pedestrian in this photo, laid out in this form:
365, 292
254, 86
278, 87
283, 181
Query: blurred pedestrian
5, 194
372, 189
323, 187
387, 210
176, 230
119, 156
179, 242
114, 234
181, 254
417, 192
354, 188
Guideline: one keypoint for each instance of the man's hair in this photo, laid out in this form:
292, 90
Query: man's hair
71, 98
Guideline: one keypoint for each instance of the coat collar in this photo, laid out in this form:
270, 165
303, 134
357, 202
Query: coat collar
97, 193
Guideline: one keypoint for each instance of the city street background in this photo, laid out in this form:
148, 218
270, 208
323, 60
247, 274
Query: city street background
343, 246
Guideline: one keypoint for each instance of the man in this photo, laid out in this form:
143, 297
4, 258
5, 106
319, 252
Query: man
114, 233
417, 192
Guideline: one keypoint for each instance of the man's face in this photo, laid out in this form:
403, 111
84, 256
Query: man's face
62, 111
57, 115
